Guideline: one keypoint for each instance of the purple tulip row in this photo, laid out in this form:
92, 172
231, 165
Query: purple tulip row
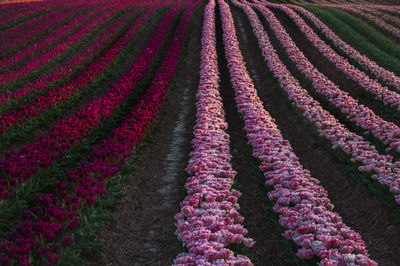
361, 152
209, 221
304, 209
56, 216
20, 165
373, 67
387, 132
48, 39
37, 61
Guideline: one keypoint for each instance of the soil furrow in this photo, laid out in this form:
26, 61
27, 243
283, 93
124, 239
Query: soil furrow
357, 206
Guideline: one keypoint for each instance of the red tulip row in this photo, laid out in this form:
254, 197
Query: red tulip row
62, 70
54, 217
304, 209
18, 166
48, 39
386, 132
56, 95
24, 13
35, 62
34, 27
360, 152
209, 221
363, 60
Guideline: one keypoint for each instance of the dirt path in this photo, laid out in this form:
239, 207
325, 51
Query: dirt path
144, 233
357, 206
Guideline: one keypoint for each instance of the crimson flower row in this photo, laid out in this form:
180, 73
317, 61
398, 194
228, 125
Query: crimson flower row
20, 165
35, 62
62, 70
47, 40
57, 215
387, 132
361, 152
303, 206
34, 27
209, 221
24, 13
363, 60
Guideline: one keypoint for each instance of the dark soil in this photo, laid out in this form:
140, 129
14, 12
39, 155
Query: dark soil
144, 232
358, 207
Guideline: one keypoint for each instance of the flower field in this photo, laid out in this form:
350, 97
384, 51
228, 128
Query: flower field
200, 132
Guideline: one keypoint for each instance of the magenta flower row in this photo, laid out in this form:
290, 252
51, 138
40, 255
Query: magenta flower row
303, 206
62, 70
48, 39
209, 220
35, 62
57, 215
56, 95
387, 132
20, 165
25, 12
34, 27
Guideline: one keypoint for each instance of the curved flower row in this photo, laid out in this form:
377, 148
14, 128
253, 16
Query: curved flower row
363, 60
20, 165
54, 217
381, 93
24, 13
36, 26
37, 61
61, 71
49, 39
209, 221
304, 209
387, 132
361, 152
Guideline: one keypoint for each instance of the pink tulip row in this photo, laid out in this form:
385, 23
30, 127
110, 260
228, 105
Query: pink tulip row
373, 67
304, 209
18, 166
209, 221
387, 132
62, 70
34, 27
35, 62
56, 216
48, 39
361, 152
381, 93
